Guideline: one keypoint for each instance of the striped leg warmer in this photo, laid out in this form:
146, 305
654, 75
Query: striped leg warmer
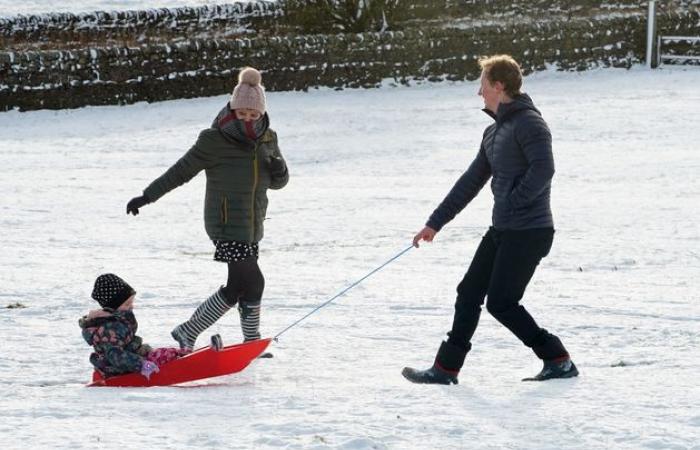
204, 316
250, 319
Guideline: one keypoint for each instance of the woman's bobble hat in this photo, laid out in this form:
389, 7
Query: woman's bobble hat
110, 291
249, 93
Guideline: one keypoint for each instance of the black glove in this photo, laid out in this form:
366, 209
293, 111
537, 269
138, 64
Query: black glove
135, 203
277, 166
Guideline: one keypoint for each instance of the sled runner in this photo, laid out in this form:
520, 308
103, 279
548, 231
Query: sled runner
207, 362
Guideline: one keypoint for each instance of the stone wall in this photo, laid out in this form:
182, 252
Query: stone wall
66, 30
35, 79
434, 9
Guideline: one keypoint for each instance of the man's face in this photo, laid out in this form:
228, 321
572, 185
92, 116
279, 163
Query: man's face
491, 93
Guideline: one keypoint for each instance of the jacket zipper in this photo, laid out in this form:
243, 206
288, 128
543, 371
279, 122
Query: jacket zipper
252, 199
224, 210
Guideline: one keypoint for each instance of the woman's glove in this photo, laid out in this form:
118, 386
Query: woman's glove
148, 368
277, 166
136, 203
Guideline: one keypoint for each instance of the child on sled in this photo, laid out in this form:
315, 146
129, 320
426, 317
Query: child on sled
112, 333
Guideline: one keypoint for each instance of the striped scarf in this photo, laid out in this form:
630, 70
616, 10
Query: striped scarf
246, 133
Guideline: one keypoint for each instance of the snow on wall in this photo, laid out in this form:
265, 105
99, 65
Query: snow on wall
104, 25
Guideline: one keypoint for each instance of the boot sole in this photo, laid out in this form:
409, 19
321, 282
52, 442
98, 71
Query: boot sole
409, 374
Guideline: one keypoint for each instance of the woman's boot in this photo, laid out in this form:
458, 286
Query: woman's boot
204, 316
249, 311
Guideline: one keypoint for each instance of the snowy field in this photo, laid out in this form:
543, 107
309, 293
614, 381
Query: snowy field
9, 8
367, 168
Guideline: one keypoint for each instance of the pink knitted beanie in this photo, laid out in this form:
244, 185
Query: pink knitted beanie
249, 93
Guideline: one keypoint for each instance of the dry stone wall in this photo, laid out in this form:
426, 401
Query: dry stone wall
65, 30
503, 9
36, 79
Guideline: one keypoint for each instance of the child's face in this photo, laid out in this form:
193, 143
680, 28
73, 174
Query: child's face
128, 304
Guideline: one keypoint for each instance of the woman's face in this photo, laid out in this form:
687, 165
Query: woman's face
247, 115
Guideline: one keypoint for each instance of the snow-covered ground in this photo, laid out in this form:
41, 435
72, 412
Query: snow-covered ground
10, 8
367, 168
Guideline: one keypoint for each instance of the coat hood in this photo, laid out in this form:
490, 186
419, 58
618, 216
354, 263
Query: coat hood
520, 102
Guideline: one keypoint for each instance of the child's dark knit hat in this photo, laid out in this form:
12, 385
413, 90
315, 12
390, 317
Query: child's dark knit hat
110, 291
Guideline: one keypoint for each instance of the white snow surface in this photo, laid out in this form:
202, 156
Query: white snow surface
10, 8
620, 286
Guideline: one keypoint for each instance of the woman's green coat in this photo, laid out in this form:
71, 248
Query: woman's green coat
238, 178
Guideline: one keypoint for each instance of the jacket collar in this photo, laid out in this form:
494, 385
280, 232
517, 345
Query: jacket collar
520, 102
99, 317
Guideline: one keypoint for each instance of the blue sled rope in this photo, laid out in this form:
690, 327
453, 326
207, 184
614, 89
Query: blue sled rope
394, 258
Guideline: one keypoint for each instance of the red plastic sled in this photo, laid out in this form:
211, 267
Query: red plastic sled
203, 363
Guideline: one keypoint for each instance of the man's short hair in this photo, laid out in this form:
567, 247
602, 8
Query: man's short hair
505, 69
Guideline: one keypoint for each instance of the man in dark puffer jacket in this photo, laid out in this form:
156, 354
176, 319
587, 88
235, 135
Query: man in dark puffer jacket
516, 153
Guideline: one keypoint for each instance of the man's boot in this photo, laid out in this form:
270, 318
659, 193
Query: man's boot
556, 359
564, 368
204, 316
448, 362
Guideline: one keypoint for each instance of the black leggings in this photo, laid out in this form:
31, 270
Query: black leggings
245, 282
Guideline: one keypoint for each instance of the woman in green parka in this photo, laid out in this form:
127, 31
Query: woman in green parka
241, 159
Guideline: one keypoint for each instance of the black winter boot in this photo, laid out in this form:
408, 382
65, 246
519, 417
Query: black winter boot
434, 375
547, 346
555, 369
448, 362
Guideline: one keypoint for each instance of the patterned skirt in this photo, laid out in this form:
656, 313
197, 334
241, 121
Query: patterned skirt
234, 251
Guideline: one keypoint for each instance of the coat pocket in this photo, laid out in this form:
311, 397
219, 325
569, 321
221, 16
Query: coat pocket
224, 210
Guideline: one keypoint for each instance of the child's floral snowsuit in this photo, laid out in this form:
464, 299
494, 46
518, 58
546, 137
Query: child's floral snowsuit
117, 348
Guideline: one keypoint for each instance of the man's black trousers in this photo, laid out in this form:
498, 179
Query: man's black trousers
500, 271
